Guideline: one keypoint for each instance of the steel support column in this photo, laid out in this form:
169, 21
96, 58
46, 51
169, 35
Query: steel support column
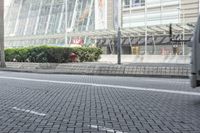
49, 17
66, 20
74, 16
27, 21
61, 19
38, 18
17, 21
89, 17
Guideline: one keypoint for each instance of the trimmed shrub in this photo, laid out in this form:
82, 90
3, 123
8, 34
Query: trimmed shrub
52, 54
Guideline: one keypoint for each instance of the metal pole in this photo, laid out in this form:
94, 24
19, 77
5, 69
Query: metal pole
3, 64
181, 12
119, 46
146, 34
183, 33
117, 26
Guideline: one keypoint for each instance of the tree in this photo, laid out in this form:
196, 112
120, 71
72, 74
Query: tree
2, 53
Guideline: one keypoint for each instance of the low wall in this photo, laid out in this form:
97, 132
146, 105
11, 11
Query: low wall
134, 69
178, 59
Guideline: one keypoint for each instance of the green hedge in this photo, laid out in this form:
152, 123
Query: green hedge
52, 54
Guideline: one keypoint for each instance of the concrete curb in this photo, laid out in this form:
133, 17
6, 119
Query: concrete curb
139, 70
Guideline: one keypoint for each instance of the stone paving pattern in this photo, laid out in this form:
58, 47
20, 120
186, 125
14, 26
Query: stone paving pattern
71, 108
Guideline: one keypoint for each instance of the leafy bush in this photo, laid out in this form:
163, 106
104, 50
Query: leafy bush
52, 54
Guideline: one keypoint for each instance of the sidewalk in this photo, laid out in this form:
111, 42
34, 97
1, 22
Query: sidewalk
133, 69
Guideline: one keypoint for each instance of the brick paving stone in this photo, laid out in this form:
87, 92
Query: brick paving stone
73, 108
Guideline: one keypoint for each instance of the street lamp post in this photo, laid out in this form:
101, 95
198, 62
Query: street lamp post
2, 34
117, 26
119, 46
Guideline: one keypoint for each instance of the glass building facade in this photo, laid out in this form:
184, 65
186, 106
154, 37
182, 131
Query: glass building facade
144, 24
43, 19
157, 12
152, 15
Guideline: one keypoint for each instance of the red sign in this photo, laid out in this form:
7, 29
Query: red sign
79, 41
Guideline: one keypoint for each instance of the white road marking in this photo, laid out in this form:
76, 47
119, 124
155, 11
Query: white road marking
105, 85
105, 129
29, 111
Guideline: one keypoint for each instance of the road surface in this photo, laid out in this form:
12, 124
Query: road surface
43, 103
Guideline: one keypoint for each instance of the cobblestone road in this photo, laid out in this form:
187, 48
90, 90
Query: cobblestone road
35, 103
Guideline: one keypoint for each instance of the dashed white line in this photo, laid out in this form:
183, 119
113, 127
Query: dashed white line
105, 129
105, 85
29, 111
